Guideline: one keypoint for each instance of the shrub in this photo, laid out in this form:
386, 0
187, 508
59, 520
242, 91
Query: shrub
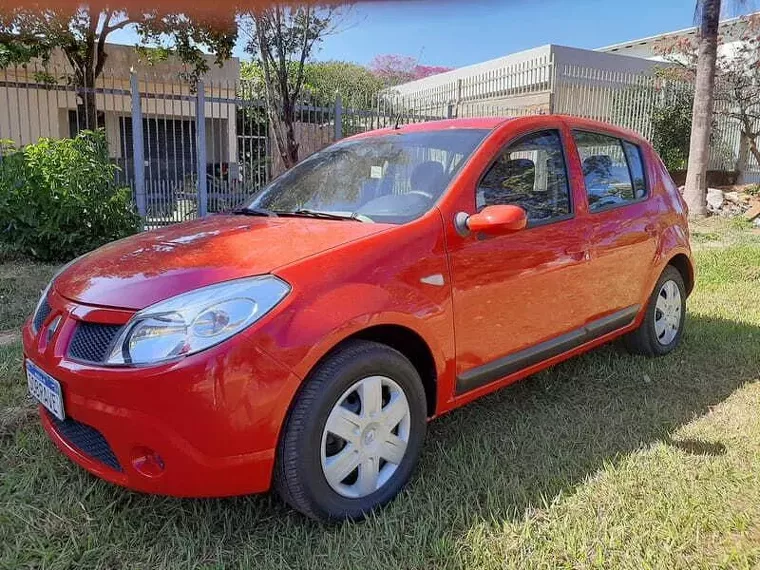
59, 198
671, 129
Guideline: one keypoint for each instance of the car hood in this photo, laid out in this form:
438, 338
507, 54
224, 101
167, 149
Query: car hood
143, 269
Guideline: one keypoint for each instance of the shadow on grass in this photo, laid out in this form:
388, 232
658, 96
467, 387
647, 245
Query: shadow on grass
698, 447
497, 459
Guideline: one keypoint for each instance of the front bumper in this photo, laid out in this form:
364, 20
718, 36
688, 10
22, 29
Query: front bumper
208, 423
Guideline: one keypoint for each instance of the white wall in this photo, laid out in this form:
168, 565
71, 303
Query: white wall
505, 74
564, 55
472, 70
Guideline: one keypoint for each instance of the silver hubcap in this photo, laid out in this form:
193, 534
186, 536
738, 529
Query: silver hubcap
667, 313
365, 437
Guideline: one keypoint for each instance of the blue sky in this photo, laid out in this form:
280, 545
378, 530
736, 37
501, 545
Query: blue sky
456, 33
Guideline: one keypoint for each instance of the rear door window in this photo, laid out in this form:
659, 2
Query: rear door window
612, 169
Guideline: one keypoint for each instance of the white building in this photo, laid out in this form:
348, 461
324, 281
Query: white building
528, 70
31, 107
730, 32
616, 84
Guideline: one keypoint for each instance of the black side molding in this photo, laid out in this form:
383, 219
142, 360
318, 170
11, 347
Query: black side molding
506, 365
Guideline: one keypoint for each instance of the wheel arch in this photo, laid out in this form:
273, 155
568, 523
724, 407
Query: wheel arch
683, 264
406, 341
414, 348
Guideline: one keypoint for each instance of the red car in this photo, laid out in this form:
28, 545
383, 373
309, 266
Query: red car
302, 342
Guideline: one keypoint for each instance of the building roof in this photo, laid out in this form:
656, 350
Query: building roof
729, 28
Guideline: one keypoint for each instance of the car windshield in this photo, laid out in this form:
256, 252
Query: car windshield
391, 178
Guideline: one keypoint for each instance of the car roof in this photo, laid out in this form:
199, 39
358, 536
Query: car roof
439, 125
491, 123
591, 124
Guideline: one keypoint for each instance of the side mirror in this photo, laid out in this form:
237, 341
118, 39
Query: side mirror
493, 220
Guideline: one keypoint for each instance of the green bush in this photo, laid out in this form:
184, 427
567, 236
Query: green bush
59, 198
671, 129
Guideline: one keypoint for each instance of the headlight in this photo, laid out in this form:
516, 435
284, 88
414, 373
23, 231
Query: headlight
196, 320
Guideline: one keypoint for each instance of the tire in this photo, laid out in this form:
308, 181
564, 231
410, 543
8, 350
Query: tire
308, 450
648, 339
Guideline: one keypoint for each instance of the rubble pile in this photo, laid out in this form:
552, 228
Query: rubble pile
735, 201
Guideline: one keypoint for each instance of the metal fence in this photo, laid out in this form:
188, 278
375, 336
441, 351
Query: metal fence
630, 100
186, 150
626, 99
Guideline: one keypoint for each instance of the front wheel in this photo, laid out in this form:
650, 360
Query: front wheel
354, 434
661, 330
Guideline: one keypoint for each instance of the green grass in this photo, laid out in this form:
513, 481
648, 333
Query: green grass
605, 461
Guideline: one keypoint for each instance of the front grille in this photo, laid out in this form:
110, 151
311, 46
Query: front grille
86, 439
91, 341
41, 315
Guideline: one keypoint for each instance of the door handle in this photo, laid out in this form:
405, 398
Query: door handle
578, 254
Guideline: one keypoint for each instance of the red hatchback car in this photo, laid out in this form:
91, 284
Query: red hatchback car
303, 341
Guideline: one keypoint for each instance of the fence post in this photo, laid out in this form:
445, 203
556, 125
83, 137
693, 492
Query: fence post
552, 85
200, 130
138, 148
338, 117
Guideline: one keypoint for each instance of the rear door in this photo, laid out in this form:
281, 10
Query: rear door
621, 216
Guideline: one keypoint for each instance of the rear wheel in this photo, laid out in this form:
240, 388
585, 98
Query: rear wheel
662, 327
354, 434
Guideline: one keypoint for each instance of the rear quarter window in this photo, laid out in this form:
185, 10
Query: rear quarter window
636, 165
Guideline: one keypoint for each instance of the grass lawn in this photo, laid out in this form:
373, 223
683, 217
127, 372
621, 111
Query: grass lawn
605, 461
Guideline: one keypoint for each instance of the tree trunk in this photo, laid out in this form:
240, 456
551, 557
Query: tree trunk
743, 157
752, 140
88, 119
695, 192
285, 135
292, 145
87, 113
282, 124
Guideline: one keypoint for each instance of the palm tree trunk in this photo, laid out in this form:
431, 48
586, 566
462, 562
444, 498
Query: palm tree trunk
695, 192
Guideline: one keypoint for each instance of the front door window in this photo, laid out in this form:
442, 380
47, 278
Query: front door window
530, 173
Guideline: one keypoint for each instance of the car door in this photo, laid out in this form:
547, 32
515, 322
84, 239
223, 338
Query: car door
513, 292
622, 219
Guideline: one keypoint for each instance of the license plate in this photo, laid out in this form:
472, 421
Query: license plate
45, 389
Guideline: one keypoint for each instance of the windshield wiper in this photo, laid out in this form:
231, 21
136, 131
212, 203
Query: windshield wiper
325, 215
254, 212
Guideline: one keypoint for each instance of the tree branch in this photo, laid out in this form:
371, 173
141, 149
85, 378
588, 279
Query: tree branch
304, 53
100, 50
119, 26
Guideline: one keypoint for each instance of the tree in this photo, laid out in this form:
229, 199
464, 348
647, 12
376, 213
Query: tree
350, 81
81, 34
737, 73
394, 69
695, 192
323, 80
282, 39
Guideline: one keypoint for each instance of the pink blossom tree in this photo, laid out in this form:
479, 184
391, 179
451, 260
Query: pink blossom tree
393, 69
